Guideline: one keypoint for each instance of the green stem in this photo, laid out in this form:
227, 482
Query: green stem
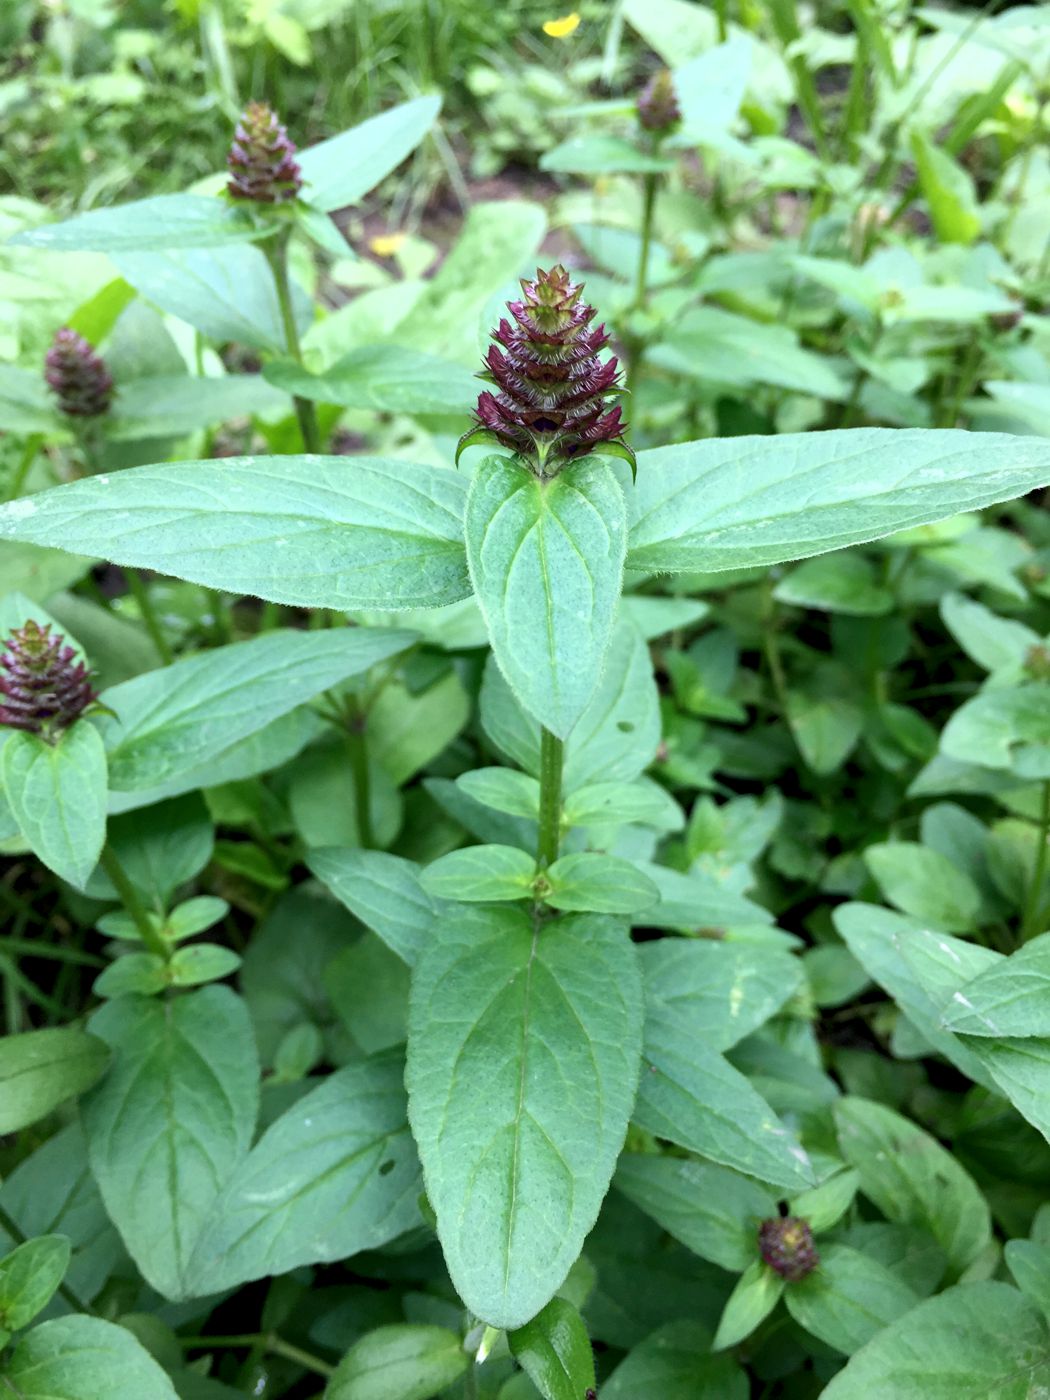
357, 749
140, 592
551, 755
969, 372
33, 445
641, 290
270, 1342
276, 250
1032, 922
129, 897
12, 1228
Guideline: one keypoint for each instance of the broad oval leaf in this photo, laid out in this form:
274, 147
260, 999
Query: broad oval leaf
164, 221
170, 1123
385, 892
310, 531
546, 560
83, 1358
974, 1342
337, 1173
403, 1361
590, 881
340, 170
480, 874
173, 720
742, 502
676, 1363
523, 1053
848, 1298
41, 1069
57, 795
1008, 999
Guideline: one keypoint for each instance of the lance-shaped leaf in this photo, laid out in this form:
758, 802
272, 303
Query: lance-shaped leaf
336, 1174
170, 1123
340, 170
83, 1358
524, 1046
169, 721
41, 1069
164, 221
386, 378
310, 531
742, 502
546, 559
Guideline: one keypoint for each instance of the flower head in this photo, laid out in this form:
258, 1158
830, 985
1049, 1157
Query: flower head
43, 687
562, 28
551, 388
80, 380
262, 160
658, 108
786, 1244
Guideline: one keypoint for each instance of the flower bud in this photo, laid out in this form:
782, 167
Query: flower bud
43, 687
658, 108
786, 1244
551, 388
81, 382
262, 160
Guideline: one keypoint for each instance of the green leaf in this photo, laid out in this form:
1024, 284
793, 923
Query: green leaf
29, 1278
675, 1363
175, 719
481, 873
301, 530
162, 405
164, 221
948, 190
143, 974
336, 1174
748, 501
618, 734
600, 154
83, 1358
1020, 1069
995, 726
756, 1294
546, 560
586, 880
399, 1362
57, 795
713, 1211
912, 1179
385, 892
919, 969
368, 985
225, 293
555, 1351
710, 344
698, 900
337, 172
1008, 999
601, 804
973, 1342
848, 1298
1029, 1263
503, 790
714, 992
171, 1122
925, 884
838, 583
693, 1097
202, 962
524, 1046
991, 641
384, 378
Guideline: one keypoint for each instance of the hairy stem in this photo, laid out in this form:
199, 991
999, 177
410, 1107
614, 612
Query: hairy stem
357, 749
129, 897
1032, 921
140, 592
276, 250
551, 756
641, 289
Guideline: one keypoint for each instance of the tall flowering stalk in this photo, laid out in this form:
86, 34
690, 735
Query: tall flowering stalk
43, 687
264, 171
551, 388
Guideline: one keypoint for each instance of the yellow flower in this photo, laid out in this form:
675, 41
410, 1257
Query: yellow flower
385, 245
562, 28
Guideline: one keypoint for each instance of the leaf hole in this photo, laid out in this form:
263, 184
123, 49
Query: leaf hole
386, 1168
